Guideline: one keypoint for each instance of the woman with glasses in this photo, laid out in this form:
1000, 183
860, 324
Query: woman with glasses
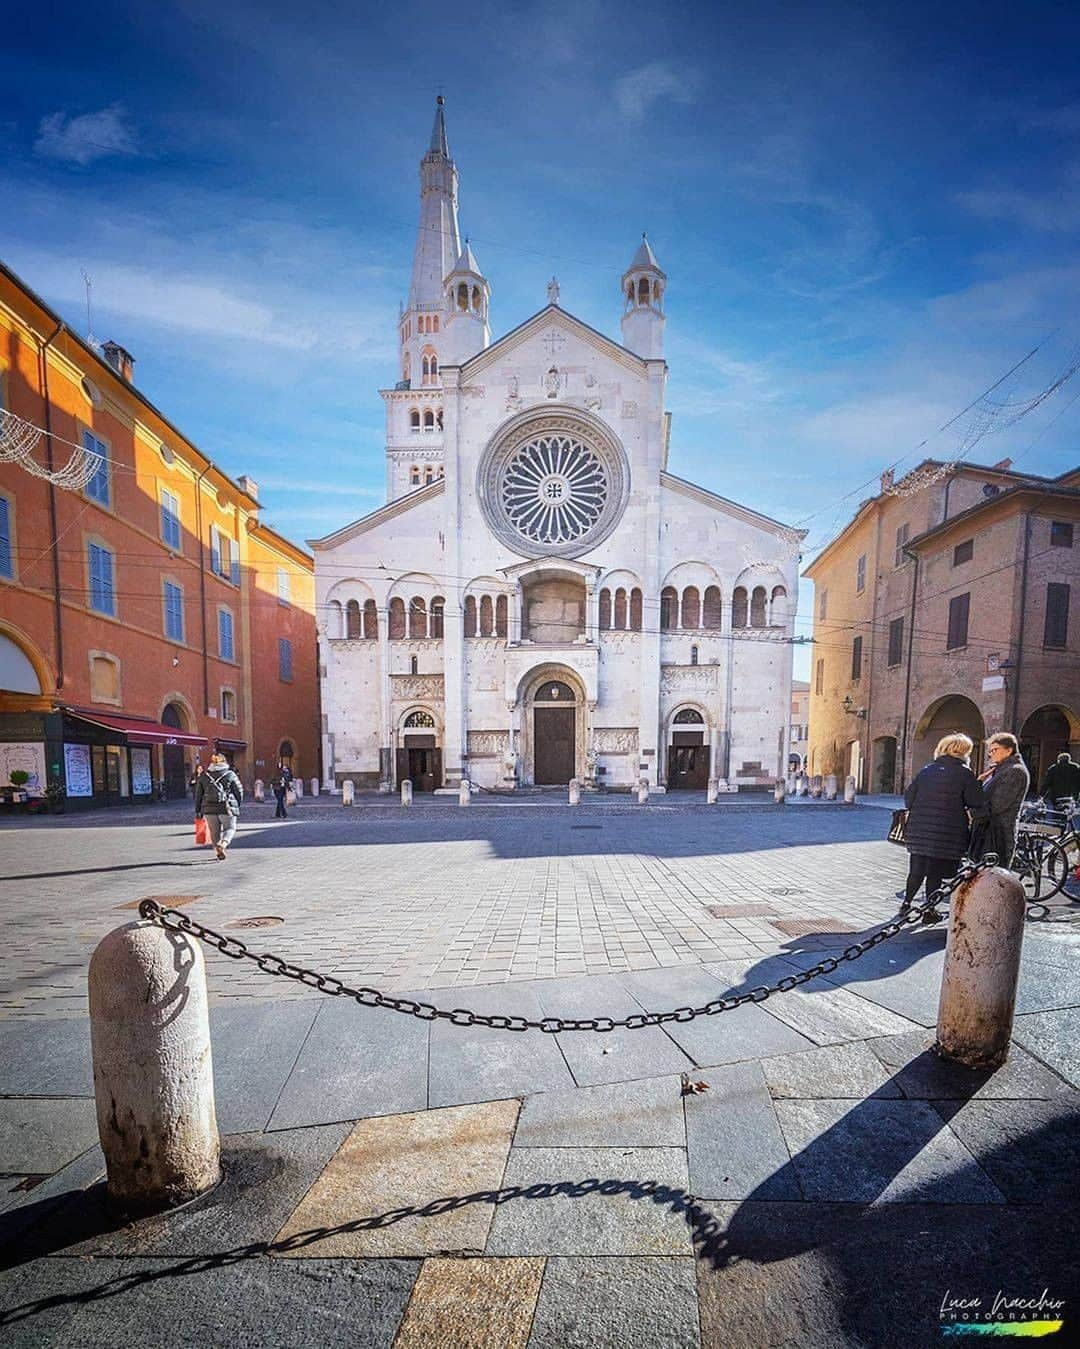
1005, 783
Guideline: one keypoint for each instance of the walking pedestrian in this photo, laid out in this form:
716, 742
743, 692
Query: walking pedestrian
280, 786
218, 794
1005, 784
939, 800
1062, 781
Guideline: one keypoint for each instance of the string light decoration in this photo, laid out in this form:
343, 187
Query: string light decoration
18, 441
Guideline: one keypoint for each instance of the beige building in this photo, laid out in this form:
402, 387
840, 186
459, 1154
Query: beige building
799, 725
947, 604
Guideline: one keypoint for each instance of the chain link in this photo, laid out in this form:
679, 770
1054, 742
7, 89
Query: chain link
176, 921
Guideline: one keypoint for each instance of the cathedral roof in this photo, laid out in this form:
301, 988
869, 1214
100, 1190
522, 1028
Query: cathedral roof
439, 144
535, 324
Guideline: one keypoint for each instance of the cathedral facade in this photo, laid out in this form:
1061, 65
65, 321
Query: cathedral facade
541, 599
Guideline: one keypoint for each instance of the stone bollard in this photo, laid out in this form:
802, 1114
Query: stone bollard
802, 785
290, 797
816, 786
298, 787
348, 792
790, 784
574, 792
153, 1078
780, 792
406, 792
464, 796
260, 790
712, 791
849, 790
830, 787
982, 966
314, 786
643, 792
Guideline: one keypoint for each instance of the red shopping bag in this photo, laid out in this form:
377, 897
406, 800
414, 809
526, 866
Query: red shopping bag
202, 833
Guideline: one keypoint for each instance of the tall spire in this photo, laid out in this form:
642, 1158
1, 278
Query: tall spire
438, 242
438, 131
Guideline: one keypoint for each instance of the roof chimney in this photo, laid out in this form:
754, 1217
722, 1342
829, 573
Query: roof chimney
120, 359
248, 485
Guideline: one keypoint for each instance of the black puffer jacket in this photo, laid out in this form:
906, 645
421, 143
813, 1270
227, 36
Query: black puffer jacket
938, 800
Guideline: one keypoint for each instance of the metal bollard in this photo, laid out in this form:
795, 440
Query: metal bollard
464, 796
712, 791
780, 792
982, 966
830, 787
574, 792
314, 786
643, 792
849, 790
348, 792
406, 792
260, 790
153, 1078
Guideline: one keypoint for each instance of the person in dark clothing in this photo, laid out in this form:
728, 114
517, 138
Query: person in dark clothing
280, 785
1005, 784
218, 794
939, 800
1062, 780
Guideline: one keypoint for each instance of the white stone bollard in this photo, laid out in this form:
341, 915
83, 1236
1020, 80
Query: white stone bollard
464, 796
290, 797
849, 790
779, 792
712, 791
348, 791
830, 787
574, 792
298, 787
982, 966
802, 785
260, 790
406, 792
314, 786
153, 1077
643, 792
791, 784
816, 786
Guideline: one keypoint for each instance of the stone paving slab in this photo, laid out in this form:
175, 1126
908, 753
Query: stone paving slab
922, 1075
1042, 994
735, 1147
835, 1015
38, 1135
917, 956
833, 1071
472, 1304
1055, 1037
39, 1300
880, 1151
381, 1193
255, 1047
46, 1058
624, 1114
644, 1303
1030, 1149
593, 1201
356, 1061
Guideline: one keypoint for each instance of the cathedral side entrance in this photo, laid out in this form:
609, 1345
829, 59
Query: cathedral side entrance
554, 716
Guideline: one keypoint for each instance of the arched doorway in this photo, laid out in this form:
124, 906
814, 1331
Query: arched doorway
173, 767
954, 713
553, 726
688, 752
883, 765
1044, 735
286, 756
419, 757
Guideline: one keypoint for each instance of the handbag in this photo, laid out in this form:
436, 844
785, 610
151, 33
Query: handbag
898, 829
202, 833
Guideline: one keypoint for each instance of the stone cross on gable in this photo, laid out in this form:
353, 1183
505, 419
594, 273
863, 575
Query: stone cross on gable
553, 341
553, 290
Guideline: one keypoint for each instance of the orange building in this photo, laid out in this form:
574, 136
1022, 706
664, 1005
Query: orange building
148, 615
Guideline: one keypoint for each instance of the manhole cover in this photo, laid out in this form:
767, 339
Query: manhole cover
786, 890
740, 910
807, 927
586, 826
166, 901
268, 920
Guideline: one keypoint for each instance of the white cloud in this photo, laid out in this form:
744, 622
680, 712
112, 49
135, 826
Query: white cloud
85, 138
638, 90
1051, 212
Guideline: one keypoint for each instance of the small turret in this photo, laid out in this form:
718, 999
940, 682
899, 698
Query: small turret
643, 286
468, 295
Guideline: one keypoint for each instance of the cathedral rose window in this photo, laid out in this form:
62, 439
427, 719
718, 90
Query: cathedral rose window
553, 484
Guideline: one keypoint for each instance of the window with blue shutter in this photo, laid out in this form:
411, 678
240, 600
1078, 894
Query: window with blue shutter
284, 647
225, 635
102, 593
215, 551
98, 486
7, 560
234, 565
174, 612
170, 519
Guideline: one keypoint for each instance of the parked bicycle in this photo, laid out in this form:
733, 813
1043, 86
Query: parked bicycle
1047, 848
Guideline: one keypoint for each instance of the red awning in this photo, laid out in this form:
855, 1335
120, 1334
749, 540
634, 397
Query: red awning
138, 730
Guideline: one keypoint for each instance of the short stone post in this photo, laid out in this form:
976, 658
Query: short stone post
260, 790
830, 787
153, 1078
406, 792
802, 784
982, 966
290, 797
712, 791
464, 796
849, 790
348, 792
298, 787
314, 786
643, 792
780, 792
816, 786
791, 784
574, 792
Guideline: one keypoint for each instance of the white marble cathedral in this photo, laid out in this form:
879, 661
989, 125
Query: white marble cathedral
540, 599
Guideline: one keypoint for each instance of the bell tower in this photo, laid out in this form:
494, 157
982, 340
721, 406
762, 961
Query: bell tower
643, 320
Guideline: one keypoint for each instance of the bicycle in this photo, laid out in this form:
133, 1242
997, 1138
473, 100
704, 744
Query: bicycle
1046, 842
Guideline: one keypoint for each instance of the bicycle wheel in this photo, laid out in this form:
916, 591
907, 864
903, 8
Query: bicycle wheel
1055, 869
1028, 864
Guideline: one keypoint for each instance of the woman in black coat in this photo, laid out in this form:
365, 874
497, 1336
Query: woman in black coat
938, 831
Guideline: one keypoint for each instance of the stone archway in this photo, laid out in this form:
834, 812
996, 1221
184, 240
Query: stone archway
952, 713
175, 772
1045, 734
883, 765
419, 750
554, 715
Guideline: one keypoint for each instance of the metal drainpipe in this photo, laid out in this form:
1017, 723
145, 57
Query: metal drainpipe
1020, 641
202, 589
907, 678
58, 619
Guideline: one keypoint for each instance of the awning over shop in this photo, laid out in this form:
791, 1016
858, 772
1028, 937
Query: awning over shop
137, 730
222, 743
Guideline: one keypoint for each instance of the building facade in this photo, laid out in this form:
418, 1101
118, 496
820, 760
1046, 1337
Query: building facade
541, 599
799, 729
148, 615
948, 603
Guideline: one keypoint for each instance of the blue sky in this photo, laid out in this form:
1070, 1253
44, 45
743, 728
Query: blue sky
867, 213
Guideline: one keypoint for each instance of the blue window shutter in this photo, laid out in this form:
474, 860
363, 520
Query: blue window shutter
95, 575
107, 581
215, 550
234, 566
98, 486
7, 567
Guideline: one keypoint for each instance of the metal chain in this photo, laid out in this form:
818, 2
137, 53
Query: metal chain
176, 921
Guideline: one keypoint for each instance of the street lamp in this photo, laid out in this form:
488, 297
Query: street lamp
851, 709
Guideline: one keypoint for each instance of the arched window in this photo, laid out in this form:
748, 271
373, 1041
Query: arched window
419, 721
691, 608
335, 619
669, 608
777, 607
711, 612
500, 616
635, 610
397, 619
605, 610
371, 620
406, 368
477, 302
620, 610
352, 619
435, 323
643, 291
487, 617
417, 617
414, 665
693, 655
689, 716
414, 476
434, 369
470, 615
757, 607
429, 475
630, 293
738, 607
438, 422
414, 420
429, 419
438, 607
463, 297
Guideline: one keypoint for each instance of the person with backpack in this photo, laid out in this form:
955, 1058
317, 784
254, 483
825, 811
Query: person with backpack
280, 787
218, 793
